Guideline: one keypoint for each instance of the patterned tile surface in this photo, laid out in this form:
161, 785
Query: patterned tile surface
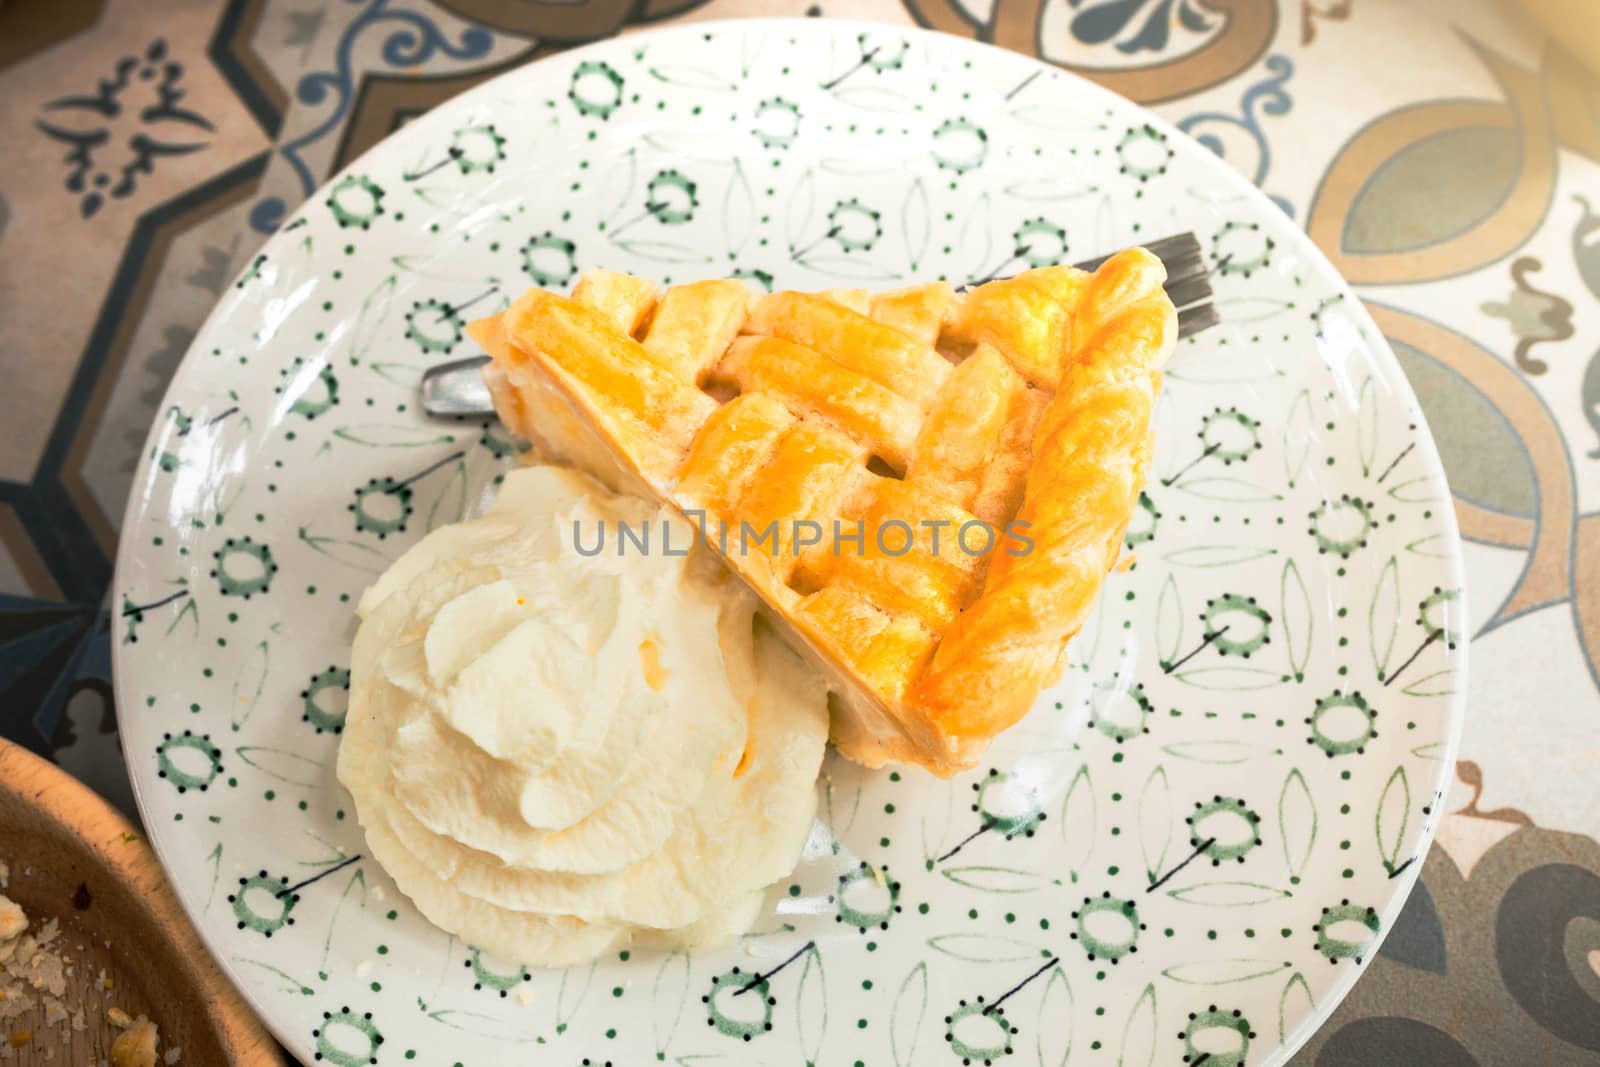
1445, 155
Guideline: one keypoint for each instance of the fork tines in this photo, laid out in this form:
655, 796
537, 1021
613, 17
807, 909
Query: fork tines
1180, 254
1188, 280
1197, 317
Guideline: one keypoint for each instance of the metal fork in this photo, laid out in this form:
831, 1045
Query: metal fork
457, 388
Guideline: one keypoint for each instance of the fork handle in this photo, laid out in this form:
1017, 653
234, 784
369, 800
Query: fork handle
457, 388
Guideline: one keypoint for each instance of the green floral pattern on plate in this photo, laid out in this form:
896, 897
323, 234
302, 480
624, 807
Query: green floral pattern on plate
1189, 847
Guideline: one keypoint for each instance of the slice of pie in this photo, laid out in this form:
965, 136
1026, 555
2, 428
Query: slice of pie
883, 435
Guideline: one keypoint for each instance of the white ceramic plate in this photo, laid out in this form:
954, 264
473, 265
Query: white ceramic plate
1197, 838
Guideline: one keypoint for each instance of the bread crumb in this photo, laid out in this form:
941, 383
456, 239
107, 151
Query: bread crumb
172, 1056
16, 1003
35, 964
136, 1046
33, 973
12, 920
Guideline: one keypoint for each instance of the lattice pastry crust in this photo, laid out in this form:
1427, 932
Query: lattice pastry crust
1025, 400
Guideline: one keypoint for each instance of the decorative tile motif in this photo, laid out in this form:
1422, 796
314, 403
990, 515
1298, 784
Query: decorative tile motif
119, 131
1537, 317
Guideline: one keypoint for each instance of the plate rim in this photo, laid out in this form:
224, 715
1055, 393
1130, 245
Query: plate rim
1377, 342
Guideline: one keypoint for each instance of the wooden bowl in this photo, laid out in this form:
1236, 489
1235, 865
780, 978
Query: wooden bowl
73, 858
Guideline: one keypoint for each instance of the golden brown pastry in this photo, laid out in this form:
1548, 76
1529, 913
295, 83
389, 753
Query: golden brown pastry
991, 445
